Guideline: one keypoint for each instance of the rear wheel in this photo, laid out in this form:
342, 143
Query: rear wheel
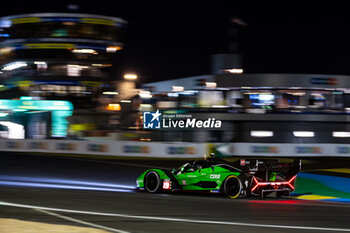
152, 182
232, 187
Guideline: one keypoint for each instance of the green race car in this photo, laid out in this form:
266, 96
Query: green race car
242, 178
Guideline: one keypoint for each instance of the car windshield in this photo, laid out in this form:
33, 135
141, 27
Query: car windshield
181, 169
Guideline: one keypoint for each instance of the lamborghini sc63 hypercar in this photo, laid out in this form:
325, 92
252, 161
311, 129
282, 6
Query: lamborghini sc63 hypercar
241, 178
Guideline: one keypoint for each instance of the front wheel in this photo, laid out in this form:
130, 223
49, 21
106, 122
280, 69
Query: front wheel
152, 182
232, 187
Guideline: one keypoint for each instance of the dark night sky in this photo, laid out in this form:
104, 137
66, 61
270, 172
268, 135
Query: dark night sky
176, 38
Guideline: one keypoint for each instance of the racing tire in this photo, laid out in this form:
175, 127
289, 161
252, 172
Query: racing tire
232, 187
152, 182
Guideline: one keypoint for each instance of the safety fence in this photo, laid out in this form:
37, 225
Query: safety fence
173, 149
113, 148
283, 149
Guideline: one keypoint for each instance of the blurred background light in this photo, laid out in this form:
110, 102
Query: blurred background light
178, 88
113, 107
171, 94
260, 133
40, 63
307, 134
113, 49
5, 23
145, 94
234, 71
86, 51
210, 84
130, 76
14, 65
110, 93
341, 134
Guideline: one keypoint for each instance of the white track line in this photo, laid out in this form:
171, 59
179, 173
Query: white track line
81, 222
178, 219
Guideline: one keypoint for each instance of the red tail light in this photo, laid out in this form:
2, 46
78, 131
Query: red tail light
274, 184
291, 181
256, 183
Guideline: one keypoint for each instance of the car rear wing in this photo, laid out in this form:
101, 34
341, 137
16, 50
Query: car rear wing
268, 167
271, 164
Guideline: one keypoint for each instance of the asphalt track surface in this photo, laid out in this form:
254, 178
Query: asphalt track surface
101, 194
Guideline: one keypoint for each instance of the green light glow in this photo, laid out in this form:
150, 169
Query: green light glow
59, 109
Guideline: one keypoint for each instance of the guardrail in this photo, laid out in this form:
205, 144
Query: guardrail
174, 149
